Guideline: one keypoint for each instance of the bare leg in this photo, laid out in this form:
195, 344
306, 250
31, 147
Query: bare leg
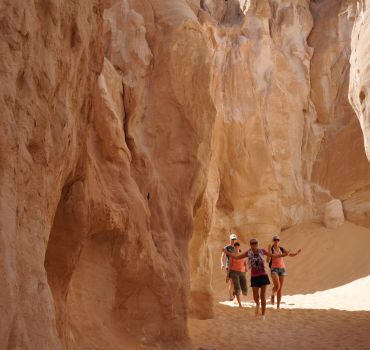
256, 298
231, 289
276, 287
279, 292
263, 299
239, 301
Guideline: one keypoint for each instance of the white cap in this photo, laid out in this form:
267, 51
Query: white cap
233, 236
276, 237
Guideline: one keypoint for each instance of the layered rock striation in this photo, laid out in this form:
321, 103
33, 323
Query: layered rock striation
136, 134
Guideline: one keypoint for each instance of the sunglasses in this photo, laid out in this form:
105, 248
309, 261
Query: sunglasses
276, 240
253, 243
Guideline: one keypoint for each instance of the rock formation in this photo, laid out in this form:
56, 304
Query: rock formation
360, 69
333, 214
136, 134
51, 56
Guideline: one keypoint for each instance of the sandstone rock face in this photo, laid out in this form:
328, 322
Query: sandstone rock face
51, 55
357, 204
341, 166
136, 134
333, 214
360, 70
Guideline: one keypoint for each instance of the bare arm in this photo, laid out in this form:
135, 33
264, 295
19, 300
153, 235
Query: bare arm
222, 259
295, 254
286, 252
235, 255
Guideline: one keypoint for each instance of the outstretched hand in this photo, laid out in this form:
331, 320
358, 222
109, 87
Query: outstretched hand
296, 253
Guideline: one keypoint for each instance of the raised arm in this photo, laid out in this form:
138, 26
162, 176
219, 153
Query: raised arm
286, 252
295, 254
235, 255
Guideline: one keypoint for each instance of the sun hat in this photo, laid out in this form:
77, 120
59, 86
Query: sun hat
233, 236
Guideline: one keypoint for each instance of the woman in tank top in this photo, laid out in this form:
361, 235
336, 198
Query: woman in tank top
259, 277
277, 267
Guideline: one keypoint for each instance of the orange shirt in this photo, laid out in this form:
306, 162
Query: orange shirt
237, 265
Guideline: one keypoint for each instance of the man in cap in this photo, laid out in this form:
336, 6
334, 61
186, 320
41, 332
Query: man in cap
229, 248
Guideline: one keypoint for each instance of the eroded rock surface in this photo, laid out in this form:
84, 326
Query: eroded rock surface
333, 214
360, 69
51, 56
136, 134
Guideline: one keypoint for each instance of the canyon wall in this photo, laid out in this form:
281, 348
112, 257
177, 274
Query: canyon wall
51, 56
136, 134
360, 66
341, 166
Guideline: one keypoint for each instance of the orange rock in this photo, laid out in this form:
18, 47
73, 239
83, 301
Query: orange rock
136, 134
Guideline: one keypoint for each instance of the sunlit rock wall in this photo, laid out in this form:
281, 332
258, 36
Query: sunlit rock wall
135, 134
360, 69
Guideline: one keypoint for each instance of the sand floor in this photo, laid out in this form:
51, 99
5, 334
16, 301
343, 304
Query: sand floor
328, 306
239, 329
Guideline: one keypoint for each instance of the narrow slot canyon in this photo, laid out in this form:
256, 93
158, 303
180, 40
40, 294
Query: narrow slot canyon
137, 135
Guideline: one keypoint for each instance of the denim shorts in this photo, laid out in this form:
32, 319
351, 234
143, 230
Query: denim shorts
280, 271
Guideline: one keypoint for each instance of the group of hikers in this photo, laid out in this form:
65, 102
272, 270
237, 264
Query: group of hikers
236, 268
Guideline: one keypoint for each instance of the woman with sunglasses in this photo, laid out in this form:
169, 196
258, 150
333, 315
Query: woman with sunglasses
259, 277
278, 271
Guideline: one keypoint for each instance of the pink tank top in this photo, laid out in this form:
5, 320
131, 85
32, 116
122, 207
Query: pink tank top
278, 262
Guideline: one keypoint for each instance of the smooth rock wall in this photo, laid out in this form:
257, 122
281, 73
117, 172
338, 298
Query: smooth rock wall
341, 166
360, 69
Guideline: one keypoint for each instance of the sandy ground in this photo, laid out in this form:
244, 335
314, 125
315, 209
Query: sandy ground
331, 275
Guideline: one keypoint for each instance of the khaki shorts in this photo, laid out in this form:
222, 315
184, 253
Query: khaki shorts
240, 282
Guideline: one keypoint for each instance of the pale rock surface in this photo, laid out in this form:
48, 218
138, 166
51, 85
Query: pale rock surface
333, 214
359, 88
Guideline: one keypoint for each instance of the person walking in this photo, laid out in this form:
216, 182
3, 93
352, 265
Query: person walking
278, 270
230, 249
259, 277
237, 274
